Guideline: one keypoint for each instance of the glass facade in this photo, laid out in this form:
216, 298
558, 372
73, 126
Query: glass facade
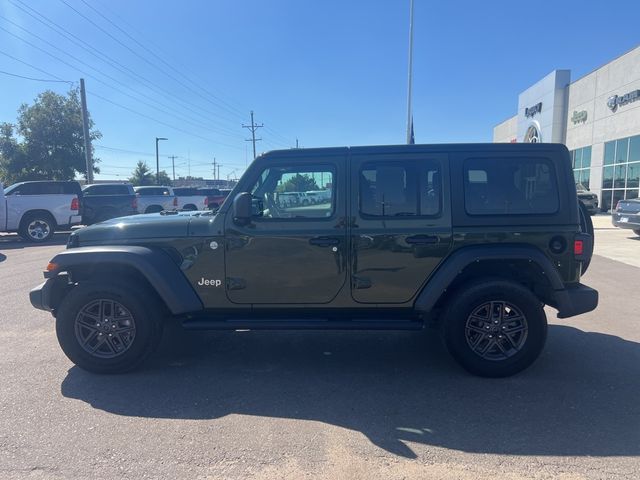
621, 173
581, 161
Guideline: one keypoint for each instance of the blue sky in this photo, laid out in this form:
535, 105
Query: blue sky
326, 72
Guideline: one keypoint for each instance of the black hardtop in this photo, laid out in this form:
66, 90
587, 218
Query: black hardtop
480, 148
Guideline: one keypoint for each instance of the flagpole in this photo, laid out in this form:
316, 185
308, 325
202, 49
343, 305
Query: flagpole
409, 114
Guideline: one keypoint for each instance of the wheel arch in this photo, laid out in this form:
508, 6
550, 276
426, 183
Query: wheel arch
527, 266
153, 268
37, 211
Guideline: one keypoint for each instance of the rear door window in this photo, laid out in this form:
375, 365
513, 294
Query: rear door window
508, 186
400, 189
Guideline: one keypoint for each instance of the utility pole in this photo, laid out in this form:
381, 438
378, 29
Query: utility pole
218, 176
214, 168
253, 127
297, 143
85, 132
173, 166
158, 160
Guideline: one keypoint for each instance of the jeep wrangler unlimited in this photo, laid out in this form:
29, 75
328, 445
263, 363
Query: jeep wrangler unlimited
473, 238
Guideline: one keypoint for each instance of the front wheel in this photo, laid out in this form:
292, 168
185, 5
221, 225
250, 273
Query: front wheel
494, 328
108, 327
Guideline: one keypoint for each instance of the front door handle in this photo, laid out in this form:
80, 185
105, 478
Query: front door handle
324, 241
422, 239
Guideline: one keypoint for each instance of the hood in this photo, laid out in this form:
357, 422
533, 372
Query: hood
152, 225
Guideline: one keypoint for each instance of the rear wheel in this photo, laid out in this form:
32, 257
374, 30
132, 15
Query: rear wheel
494, 328
37, 227
153, 209
108, 327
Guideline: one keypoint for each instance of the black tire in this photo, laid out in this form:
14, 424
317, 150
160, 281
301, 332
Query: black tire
461, 329
153, 209
71, 325
37, 227
586, 226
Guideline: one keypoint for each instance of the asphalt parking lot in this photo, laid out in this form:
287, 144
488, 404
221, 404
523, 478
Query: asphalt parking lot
337, 405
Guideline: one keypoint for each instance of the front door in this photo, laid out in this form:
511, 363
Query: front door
402, 224
293, 249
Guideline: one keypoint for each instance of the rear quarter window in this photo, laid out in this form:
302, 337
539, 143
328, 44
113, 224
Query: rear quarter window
510, 186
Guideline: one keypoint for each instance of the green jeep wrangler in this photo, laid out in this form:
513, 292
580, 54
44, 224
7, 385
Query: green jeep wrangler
473, 238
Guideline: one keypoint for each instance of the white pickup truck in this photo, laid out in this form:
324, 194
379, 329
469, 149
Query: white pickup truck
154, 199
37, 209
191, 198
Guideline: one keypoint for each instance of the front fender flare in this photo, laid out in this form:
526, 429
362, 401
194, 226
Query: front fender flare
155, 265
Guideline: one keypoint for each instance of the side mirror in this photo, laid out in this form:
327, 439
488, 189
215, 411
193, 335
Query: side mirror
246, 206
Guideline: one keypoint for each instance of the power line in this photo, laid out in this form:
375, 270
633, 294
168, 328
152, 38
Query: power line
112, 62
34, 67
237, 111
172, 114
34, 79
142, 57
163, 123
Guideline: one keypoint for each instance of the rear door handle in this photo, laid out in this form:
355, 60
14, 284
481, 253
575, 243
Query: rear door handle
324, 241
422, 239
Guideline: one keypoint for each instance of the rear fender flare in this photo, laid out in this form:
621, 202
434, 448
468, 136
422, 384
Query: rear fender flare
455, 264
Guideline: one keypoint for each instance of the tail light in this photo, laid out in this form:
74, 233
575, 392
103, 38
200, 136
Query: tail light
578, 247
617, 205
206, 201
75, 203
134, 203
175, 201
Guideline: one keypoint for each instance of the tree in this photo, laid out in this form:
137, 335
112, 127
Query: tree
300, 183
49, 143
143, 176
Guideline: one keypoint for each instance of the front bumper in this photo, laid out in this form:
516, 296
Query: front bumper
591, 205
626, 220
48, 294
576, 300
40, 296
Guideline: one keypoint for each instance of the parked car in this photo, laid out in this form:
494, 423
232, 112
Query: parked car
190, 198
319, 196
37, 209
104, 201
154, 199
588, 198
627, 215
481, 239
215, 197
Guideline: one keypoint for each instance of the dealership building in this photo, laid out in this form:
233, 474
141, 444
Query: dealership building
597, 117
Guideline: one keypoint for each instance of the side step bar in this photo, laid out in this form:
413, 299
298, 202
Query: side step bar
300, 324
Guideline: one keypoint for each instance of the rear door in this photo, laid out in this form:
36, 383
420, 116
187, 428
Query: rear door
402, 227
290, 253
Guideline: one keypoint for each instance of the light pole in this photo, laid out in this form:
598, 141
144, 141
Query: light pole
158, 159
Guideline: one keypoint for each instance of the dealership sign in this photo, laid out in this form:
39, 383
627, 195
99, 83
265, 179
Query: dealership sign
531, 111
617, 100
579, 117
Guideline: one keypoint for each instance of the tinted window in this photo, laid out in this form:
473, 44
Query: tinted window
153, 191
503, 186
186, 192
106, 190
214, 192
395, 189
282, 191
